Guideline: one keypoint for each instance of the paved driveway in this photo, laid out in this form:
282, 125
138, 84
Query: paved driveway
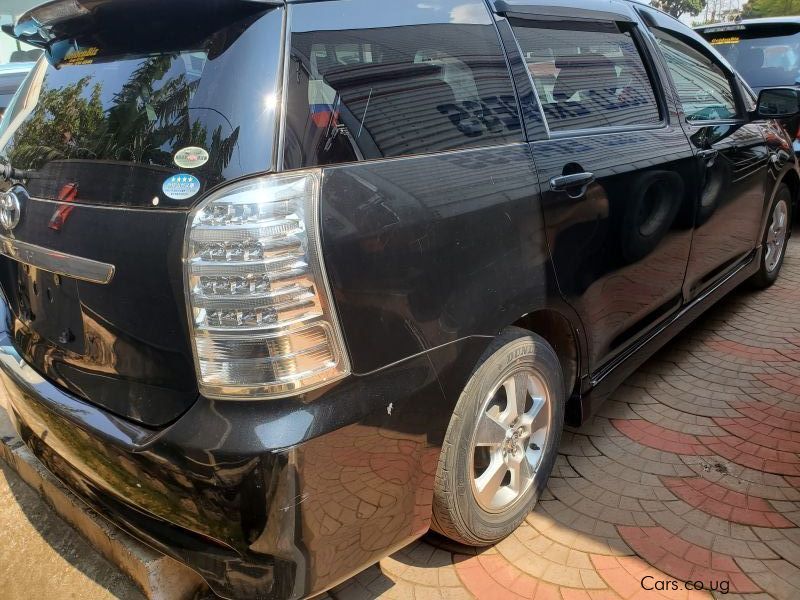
691, 472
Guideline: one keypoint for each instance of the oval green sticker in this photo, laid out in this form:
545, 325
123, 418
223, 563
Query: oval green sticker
191, 157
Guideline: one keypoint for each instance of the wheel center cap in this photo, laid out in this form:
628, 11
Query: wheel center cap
511, 443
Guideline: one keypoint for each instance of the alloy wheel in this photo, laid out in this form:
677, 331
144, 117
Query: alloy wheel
776, 235
509, 439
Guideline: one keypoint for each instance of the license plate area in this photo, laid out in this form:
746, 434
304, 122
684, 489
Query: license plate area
49, 306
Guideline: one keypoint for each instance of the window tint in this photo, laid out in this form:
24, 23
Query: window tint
372, 79
587, 75
139, 104
702, 85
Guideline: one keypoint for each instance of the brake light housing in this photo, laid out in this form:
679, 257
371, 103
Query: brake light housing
261, 316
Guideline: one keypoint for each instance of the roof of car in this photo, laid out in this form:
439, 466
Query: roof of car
761, 21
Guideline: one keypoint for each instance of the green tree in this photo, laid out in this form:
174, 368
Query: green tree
680, 7
53, 130
771, 8
147, 119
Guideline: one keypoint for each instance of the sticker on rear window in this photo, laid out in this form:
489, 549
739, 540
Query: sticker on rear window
181, 186
731, 39
80, 56
191, 157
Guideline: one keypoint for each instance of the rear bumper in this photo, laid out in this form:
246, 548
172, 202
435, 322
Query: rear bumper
281, 499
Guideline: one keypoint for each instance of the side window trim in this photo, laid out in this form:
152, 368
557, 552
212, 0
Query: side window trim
730, 77
645, 53
506, 37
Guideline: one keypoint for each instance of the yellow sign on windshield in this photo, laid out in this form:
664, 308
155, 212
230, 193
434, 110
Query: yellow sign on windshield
733, 39
83, 56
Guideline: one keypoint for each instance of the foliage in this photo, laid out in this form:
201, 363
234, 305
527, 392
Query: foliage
49, 133
770, 8
680, 7
146, 120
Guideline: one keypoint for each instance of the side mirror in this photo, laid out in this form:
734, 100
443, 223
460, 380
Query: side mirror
778, 103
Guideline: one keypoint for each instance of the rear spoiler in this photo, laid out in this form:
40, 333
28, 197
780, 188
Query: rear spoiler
59, 19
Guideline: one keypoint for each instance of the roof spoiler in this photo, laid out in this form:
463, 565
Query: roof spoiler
57, 19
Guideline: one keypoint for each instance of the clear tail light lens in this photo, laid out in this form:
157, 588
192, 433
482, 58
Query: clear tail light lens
262, 319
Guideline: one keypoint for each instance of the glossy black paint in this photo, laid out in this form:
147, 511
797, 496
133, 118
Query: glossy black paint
426, 251
428, 257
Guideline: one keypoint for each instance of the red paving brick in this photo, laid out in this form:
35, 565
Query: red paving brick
782, 382
658, 437
748, 352
733, 506
683, 560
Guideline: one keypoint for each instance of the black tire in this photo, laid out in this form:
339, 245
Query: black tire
766, 276
456, 512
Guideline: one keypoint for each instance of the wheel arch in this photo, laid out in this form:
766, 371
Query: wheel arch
565, 337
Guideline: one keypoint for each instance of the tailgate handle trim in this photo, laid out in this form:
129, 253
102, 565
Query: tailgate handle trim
67, 265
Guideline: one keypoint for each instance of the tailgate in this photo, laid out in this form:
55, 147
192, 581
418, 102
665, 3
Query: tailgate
117, 133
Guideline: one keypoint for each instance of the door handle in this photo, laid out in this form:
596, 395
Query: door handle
575, 185
708, 155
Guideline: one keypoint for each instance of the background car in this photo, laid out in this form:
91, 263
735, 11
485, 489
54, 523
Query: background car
765, 52
16, 58
11, 76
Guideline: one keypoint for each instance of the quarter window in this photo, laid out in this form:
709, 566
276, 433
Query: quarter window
703, 87
372, 79
587, 76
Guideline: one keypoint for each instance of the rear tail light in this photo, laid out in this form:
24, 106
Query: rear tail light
263, 324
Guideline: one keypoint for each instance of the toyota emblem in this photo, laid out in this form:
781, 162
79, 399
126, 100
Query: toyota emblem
10, 210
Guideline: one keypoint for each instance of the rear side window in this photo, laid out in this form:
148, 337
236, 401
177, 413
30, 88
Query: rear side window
376, 79
587, 75
703, 87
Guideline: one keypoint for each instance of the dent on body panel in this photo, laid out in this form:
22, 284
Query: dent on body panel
426, 250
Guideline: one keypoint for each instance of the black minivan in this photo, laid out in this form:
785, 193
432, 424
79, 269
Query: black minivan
288, 283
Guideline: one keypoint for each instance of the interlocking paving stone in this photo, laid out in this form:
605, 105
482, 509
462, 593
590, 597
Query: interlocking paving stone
690, 471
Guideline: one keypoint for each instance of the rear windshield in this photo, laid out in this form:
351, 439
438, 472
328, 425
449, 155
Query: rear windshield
208, 106
765, 57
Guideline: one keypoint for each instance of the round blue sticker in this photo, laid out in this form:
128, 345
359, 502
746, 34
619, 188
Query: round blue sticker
181, 186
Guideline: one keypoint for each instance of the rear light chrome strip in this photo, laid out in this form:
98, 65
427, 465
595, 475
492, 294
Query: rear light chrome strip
67, 265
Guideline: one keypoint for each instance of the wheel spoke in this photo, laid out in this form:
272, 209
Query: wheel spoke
540, 418
488, 484
489, 432
521, 473
516, 395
